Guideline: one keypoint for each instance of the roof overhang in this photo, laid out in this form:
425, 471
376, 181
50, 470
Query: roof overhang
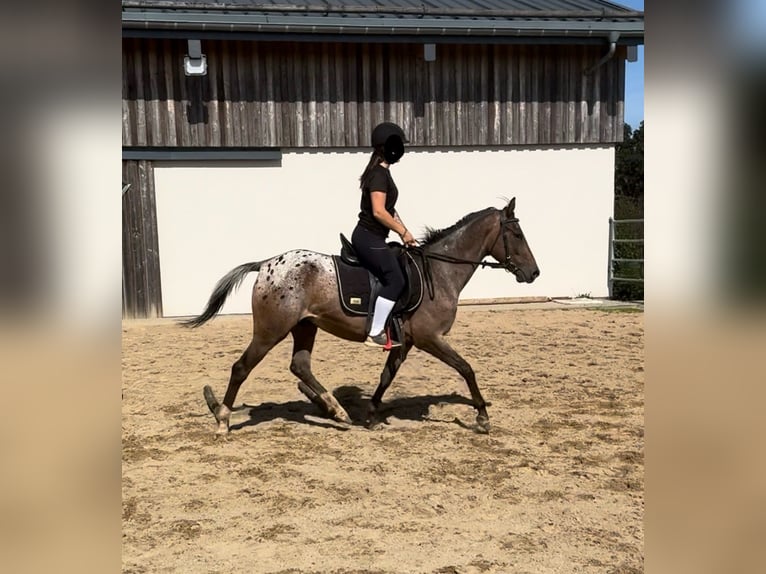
345, 25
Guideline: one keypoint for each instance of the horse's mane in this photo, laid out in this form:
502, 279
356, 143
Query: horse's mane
433, 235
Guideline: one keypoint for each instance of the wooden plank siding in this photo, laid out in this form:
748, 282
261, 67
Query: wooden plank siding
141, 289
289, 94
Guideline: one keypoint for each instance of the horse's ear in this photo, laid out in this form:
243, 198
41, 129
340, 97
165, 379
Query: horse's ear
509, 209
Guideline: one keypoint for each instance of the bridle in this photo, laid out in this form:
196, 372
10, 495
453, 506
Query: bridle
507, 264
505, 224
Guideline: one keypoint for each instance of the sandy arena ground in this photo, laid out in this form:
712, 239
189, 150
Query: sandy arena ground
557, 486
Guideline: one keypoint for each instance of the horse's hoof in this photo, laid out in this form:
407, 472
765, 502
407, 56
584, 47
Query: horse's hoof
482, 425
375, 422
212, 402
344, 418
376, 425
223, 428
341, 417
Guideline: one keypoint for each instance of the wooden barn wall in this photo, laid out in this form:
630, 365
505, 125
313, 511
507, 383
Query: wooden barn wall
331, 94
141, 290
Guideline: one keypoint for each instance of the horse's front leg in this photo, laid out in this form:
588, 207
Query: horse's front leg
396, 357
440, 349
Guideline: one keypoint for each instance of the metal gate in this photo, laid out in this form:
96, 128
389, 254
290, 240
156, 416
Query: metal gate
623, 247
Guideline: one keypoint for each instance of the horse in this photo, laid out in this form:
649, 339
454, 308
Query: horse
297, 293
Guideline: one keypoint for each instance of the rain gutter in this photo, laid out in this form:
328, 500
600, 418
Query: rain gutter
375, 25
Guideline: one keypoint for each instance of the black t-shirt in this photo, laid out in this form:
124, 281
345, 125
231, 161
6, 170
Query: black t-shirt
379, 180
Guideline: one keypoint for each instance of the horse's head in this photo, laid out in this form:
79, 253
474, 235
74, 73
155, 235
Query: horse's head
511, 248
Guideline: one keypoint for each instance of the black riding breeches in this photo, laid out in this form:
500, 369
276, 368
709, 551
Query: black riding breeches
376, 256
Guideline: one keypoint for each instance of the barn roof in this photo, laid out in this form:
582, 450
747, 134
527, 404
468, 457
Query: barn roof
573, 21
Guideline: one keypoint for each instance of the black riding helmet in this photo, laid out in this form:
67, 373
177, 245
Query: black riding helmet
390, 138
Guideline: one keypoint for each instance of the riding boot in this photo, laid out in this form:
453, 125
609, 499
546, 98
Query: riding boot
383, 308
378, 335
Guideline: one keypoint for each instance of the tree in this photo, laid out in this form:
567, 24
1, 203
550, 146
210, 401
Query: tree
629, 204
629, 164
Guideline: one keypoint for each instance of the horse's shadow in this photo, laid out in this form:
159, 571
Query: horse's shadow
293, 411
355, 401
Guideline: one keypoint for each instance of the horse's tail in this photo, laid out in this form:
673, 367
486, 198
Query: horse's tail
225, 286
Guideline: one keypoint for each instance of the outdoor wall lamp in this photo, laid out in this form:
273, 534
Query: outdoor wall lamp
195, 62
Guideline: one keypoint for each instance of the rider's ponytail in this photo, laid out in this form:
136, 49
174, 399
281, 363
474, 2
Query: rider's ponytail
375, 159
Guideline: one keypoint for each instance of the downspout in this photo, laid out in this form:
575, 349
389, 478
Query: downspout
613, 37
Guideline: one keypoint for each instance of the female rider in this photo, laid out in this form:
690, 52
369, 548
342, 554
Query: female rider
378, 216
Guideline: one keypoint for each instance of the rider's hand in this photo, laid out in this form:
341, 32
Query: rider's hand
408, 239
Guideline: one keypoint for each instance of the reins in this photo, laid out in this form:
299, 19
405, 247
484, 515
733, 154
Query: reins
425, 257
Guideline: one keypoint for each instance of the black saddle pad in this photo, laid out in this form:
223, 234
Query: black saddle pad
354, 287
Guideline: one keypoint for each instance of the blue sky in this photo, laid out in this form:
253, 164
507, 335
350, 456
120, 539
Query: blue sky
747, 29
634, 77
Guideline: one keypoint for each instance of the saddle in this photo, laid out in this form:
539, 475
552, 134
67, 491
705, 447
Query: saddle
358, 288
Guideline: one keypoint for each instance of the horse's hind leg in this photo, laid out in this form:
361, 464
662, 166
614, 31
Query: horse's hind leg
395, 359
440, 349
239, 372
304, 334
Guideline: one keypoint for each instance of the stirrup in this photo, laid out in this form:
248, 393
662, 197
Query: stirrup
382, 341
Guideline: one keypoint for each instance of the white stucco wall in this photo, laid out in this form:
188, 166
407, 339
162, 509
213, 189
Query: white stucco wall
212, 217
